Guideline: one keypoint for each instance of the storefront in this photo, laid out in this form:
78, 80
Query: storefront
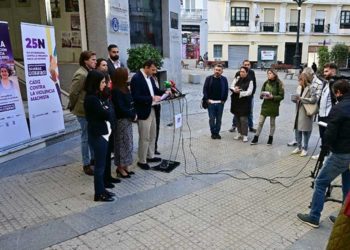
91, 24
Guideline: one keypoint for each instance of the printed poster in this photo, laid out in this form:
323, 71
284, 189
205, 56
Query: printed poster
13, 124
42, 78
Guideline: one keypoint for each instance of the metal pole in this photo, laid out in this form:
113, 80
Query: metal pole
297, 55
48, 12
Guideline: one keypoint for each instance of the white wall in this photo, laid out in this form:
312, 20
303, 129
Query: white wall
115, 8
172, 63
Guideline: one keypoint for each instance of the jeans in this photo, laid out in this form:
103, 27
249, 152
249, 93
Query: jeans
299, 135
261, 124
250, 117
100, 148
335, 165
86, 151
215, 115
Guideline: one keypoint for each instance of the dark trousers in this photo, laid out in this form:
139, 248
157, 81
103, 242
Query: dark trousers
110, 149
157, 109
250, 117
215, 115
100, 148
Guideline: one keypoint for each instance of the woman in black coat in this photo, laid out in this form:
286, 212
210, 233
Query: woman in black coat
98, 116
125, 114
242, 89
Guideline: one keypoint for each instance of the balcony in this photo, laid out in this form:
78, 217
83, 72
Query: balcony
320, 28
293, 27
269, 27
193, 14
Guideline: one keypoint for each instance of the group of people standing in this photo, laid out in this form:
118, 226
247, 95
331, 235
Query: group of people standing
328, 98
242, 90
106, 106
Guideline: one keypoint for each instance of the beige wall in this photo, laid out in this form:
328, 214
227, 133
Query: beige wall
254, 38
269, 40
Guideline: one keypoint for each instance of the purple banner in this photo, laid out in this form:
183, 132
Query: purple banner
13, 125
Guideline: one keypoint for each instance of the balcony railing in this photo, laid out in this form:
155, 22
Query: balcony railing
293, 27
269, 27
317, 28
193, 14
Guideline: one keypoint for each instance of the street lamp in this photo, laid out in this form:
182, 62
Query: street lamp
297, 55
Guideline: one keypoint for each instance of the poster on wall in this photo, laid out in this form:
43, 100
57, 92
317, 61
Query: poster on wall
72, 5
75, 22
43, 88
55, 9
13, 124
267, 55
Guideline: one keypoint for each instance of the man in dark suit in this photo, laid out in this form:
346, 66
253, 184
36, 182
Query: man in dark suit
146, 95
113, 59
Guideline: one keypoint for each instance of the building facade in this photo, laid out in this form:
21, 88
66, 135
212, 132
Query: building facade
265, 31
92, 25
194, 26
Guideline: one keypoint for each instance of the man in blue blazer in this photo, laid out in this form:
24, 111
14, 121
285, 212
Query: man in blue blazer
146, 95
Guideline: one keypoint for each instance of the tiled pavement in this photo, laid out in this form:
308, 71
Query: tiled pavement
224, 214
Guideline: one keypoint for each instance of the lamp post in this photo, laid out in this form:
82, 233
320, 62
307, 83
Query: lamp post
297, 55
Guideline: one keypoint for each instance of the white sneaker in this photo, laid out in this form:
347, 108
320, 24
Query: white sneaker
315, 157
296, 151
237, 137
245, 138
292, 143
303, 153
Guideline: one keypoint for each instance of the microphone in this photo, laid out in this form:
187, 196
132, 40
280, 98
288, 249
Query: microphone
174, 90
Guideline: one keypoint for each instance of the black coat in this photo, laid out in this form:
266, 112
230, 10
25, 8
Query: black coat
142, 96
123, 105
251, 75
337, 135
96, 113
111, 68
241, 106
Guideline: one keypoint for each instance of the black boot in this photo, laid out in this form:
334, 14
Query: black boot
269, 142
255, 140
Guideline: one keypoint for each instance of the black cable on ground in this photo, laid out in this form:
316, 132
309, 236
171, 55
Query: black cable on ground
225, 172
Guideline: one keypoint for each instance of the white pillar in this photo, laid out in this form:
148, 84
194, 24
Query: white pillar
335, 19
283, 14
252, 14
308, 21
227, 22
204, 28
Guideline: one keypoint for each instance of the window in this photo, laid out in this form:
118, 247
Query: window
146, 23
217, 50
239, 16
345, 20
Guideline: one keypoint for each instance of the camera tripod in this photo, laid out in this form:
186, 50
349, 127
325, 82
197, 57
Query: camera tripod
319, 164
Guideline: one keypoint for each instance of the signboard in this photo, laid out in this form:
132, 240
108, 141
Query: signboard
41, 70
267, 55
118, 18
13, 124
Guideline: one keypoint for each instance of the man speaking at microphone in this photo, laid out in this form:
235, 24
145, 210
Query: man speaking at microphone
337, 139
146, 95
215, 92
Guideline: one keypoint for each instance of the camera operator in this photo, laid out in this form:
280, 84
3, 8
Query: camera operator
327, 99
337, 139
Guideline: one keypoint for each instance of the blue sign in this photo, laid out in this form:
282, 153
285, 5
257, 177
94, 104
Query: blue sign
115, 24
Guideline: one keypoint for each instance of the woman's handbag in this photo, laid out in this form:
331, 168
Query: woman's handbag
311, 109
